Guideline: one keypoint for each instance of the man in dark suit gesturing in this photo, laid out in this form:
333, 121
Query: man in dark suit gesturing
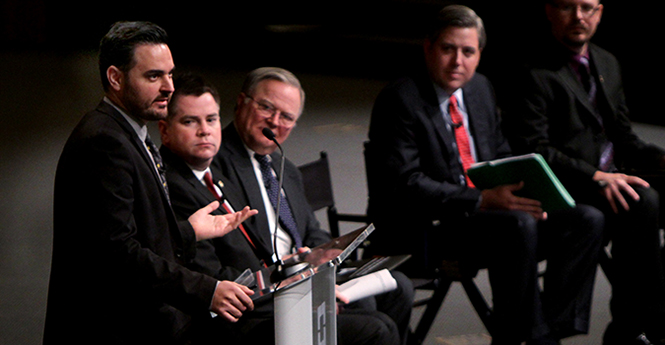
573, 111
424, 132
118, 272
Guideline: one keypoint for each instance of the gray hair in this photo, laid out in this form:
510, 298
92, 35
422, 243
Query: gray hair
458, 16
272, 73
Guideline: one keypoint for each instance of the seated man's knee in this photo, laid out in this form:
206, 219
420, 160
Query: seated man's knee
366, 329
649, 199
590, 219
523, 225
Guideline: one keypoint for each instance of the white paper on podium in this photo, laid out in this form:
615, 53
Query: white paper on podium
368, 285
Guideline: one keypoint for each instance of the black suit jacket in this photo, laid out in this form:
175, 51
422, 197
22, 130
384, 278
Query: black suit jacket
413, 168
118, 273
224, 258
234, 162
555, 118
411, 155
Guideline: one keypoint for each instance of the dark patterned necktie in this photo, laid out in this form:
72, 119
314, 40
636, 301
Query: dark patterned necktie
272, 188
157, 158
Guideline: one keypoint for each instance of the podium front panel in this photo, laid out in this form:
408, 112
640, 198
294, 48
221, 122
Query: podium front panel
324, 309
293, 321
305, 312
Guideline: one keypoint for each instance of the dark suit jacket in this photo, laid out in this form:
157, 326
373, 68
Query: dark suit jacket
224, 258
556, 119
411, 154
234, 162
118, 273
411, 160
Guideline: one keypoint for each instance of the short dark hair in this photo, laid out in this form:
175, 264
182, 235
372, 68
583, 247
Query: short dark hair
118, 45
458, 16
188, 84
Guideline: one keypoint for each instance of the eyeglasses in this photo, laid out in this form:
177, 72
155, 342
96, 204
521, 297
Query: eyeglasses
268, 110
586, 10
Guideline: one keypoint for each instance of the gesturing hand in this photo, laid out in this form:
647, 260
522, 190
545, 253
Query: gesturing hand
207, 226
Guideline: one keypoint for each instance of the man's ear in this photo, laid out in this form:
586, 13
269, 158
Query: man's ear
240, 99
115, 77
163, 131
427, 45
549, 12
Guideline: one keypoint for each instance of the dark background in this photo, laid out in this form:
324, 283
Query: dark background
344, 52
374, 39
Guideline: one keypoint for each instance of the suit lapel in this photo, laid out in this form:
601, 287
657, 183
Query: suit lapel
136, 141
138, 145
477, 122
235, 153
432, 109
570, 78
231, 196
601, 70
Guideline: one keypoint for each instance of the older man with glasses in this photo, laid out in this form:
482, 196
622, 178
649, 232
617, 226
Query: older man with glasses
272, 98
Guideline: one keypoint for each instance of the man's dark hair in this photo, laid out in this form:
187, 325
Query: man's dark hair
457, 16
188, 84
118, 45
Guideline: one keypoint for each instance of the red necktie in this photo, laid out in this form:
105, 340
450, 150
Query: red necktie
208, 180
461, 137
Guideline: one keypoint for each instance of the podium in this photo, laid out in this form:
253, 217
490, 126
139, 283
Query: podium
304, 293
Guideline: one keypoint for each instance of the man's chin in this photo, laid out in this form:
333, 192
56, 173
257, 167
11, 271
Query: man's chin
154, 115
577, 40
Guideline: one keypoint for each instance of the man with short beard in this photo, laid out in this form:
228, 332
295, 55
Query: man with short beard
118, 271
573, 111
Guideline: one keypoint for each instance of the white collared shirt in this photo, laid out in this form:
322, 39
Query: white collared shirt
284, 241
444, 101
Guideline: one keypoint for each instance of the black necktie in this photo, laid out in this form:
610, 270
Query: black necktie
272, 188
157, 158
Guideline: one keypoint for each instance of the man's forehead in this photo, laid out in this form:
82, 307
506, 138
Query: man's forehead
459, 36
276, 91
574, 2
149, 56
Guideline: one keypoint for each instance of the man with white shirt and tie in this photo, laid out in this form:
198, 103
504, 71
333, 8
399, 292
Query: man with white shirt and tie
424, 132
191, 137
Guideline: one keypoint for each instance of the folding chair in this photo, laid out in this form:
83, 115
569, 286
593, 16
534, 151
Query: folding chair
319, 192
318, 189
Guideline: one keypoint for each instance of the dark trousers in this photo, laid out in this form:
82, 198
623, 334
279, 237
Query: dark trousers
638, 286
396, 305
510, 244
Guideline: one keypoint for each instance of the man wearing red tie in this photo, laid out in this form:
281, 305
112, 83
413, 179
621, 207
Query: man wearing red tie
425, 132
191, 137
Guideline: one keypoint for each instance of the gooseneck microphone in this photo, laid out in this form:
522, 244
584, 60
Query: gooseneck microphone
268, 133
